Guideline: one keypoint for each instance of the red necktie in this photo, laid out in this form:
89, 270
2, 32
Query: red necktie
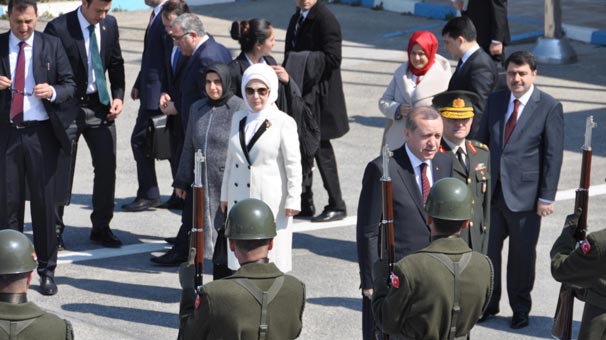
424, 181
511, 122
19, 86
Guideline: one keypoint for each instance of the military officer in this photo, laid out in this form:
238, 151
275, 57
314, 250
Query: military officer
20, 319
256, 302
470, 161
440, 291
570, 265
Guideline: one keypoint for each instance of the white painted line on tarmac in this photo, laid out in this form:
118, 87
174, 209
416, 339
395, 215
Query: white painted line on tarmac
68, 257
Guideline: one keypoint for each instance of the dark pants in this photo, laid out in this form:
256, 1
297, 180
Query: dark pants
177, 135
327, 165
146, 170
30, 155
100, 136
523, 231
369, 327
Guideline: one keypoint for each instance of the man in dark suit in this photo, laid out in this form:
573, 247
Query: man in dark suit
91, 41
147, 89
470, 162
174, 64
524, 128
476, 71
35, 80
411, 182
314, 28
190, 36
490, 19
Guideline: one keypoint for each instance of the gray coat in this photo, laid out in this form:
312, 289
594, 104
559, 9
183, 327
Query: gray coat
208, 130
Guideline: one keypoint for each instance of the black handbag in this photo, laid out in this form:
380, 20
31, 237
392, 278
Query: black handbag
158, 138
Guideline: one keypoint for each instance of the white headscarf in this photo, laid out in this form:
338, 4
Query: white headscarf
267, 75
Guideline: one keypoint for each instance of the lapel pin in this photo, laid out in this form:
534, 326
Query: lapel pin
103, 27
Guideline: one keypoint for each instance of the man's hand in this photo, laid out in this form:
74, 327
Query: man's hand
368, 293
167, 106
544, 209
181, 193
496, 48
134, 93
283, 76
223, 206
115, 110
43, 91
291, 212
5, 83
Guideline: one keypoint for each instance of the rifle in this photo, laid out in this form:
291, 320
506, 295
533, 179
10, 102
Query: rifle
197, 232
388, 241
562, 321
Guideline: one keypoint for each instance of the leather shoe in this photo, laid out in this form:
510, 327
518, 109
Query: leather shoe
170, 240
487, 314
329, 216
170, 259
172, 203
140, 204
307, 211
519, 320
106, 238
47, 285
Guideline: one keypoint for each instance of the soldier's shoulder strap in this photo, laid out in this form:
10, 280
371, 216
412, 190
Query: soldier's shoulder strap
456, 268
14, 328
475, 144
264, 298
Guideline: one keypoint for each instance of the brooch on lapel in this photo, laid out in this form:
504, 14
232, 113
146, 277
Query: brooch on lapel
267, 124
103, 27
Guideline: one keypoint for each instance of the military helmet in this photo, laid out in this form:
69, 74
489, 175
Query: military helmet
250, 219
449, 199
17, 253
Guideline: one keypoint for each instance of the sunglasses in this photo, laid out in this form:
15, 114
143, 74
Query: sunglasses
261, 91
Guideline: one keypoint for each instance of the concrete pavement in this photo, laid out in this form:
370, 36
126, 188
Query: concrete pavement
118, 294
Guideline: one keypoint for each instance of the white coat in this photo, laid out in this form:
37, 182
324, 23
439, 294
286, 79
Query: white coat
274, 176
402, 90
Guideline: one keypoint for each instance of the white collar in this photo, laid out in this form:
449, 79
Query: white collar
524, 98
13, 40
454, 147
414, 160
469, 52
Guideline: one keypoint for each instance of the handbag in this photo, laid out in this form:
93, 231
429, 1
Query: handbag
158, 138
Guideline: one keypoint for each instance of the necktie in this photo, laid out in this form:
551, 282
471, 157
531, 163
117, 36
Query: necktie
19, 86
459, 64
152, 15
461, 157
176, 59
424, 181
297, 27
98, 67
511, 122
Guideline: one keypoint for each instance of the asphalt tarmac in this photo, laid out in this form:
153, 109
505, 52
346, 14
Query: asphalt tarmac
119, 294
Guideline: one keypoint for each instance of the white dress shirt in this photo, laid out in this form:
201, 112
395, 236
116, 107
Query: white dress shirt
416, 166
92, 85
523, 101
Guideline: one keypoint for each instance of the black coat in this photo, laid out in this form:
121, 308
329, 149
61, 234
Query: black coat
150, 77
490, 19
410, 219
479, 75
321, 32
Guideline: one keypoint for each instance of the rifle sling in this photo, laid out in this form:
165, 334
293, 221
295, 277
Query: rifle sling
264, 298
456, 268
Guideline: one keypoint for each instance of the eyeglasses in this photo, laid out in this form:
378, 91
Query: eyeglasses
179, 37
261, 91
23, 93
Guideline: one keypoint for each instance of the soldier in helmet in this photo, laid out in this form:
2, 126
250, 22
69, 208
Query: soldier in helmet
256, 302
20, 319
440, 291
470, 161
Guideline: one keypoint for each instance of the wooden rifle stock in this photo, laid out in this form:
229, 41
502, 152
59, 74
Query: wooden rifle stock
197, 231
562, 321
388, 241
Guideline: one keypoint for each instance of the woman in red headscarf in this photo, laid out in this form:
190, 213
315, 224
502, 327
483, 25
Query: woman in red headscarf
413, 84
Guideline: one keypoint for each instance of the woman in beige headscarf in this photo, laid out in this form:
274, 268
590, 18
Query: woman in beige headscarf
263, 160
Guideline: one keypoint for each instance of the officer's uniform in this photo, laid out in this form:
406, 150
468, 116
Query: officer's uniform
473, 169
226, 310
588, 271
256, 302
22, 320
478, 180
440, 291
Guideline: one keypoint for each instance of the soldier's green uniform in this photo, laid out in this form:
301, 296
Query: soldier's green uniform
476, 170
571, 266
19, 319
234, 307
440, 291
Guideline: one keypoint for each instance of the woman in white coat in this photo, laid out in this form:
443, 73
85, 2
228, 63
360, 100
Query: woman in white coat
414, 83
263, 160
